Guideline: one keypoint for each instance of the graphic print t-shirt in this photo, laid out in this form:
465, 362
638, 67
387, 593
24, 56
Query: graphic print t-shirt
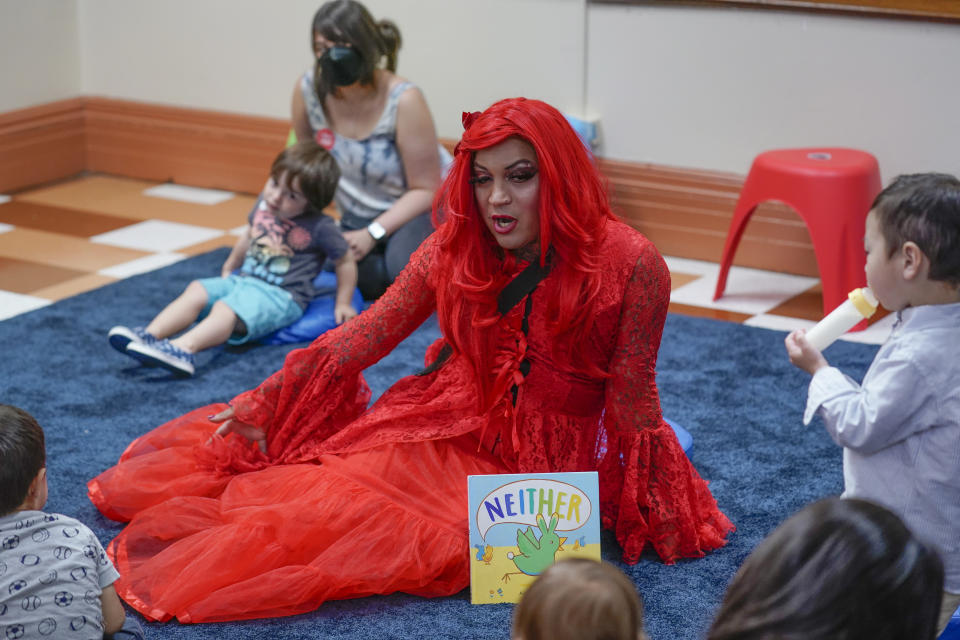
290, 253
52, 572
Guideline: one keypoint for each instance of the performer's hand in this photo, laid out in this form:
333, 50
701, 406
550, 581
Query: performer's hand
803, 354
248, 431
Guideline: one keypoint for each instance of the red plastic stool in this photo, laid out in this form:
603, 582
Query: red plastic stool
832, 190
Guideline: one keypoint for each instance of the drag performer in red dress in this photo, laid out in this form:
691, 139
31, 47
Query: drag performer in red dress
551, 312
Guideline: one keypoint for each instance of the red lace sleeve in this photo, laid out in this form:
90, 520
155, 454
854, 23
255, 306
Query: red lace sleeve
632, 401
650, 493
320, 388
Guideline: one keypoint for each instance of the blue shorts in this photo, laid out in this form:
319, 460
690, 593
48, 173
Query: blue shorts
263, 307
131, 630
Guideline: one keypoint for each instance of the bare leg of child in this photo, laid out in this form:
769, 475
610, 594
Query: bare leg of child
154, 349
213, 330
181, 313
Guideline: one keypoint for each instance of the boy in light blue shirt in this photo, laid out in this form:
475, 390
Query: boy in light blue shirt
900, 428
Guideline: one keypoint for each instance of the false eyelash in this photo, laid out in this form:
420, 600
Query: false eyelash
523, 175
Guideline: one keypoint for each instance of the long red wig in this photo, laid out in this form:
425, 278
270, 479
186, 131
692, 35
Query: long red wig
471, 268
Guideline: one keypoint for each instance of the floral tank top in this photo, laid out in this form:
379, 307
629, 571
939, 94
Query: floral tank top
372, 176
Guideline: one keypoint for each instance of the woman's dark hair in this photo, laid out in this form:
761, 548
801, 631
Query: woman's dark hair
580, 599
22, 456
315, 168
924, 208
348, 22
838, 569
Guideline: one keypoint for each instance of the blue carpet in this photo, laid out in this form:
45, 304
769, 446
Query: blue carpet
729, 385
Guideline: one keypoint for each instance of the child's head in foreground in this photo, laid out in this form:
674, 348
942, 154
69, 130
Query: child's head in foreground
837, 569
913, 240
579, 599
304, 175
23, 481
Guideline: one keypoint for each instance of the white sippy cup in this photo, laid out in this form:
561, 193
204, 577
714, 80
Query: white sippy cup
860, 304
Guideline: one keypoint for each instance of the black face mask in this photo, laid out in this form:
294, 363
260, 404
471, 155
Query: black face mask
341, 66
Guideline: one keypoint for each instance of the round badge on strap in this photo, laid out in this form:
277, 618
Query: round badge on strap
326, 138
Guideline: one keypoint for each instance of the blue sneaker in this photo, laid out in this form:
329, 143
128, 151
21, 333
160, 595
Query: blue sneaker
120, 337
163, 353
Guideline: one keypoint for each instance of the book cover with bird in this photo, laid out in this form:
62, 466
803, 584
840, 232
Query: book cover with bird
522, 523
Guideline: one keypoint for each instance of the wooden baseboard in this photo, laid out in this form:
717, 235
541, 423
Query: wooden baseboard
187, 146
41, 144
685, 212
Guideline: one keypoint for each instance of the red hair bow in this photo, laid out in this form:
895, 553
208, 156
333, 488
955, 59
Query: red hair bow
468, 118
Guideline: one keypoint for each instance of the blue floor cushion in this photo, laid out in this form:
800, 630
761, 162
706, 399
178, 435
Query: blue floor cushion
952, 632
318, 316
686, 440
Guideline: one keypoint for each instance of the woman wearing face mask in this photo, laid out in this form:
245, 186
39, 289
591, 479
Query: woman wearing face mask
380, 131
551, 312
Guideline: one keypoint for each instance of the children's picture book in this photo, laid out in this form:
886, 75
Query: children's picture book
522, 523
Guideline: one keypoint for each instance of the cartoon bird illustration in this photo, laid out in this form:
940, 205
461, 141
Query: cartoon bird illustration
580, 543
484, 553
536, 555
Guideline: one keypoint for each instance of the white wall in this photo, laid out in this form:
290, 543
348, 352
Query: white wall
711, 87
238, 56
245, 55
686, 86
467, 54
39, 52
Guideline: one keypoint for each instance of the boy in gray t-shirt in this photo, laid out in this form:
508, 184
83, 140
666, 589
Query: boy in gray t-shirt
280, 252
55, 579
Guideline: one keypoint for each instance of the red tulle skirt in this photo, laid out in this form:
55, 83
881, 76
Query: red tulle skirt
205, 547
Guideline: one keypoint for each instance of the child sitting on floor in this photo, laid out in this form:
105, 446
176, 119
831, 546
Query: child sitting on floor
579, 599
836, 569
281, 251
900, 428
57, 580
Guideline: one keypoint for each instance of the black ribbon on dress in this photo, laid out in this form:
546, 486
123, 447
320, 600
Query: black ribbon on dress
510, 296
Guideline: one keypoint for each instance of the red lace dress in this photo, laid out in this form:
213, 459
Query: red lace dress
349, 502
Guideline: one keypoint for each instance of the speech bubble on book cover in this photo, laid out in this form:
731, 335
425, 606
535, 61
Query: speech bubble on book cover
520, 502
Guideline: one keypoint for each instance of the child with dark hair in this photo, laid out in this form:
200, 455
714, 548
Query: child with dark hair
580, 599
837, 569
279, 255
900, 428
55, 579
